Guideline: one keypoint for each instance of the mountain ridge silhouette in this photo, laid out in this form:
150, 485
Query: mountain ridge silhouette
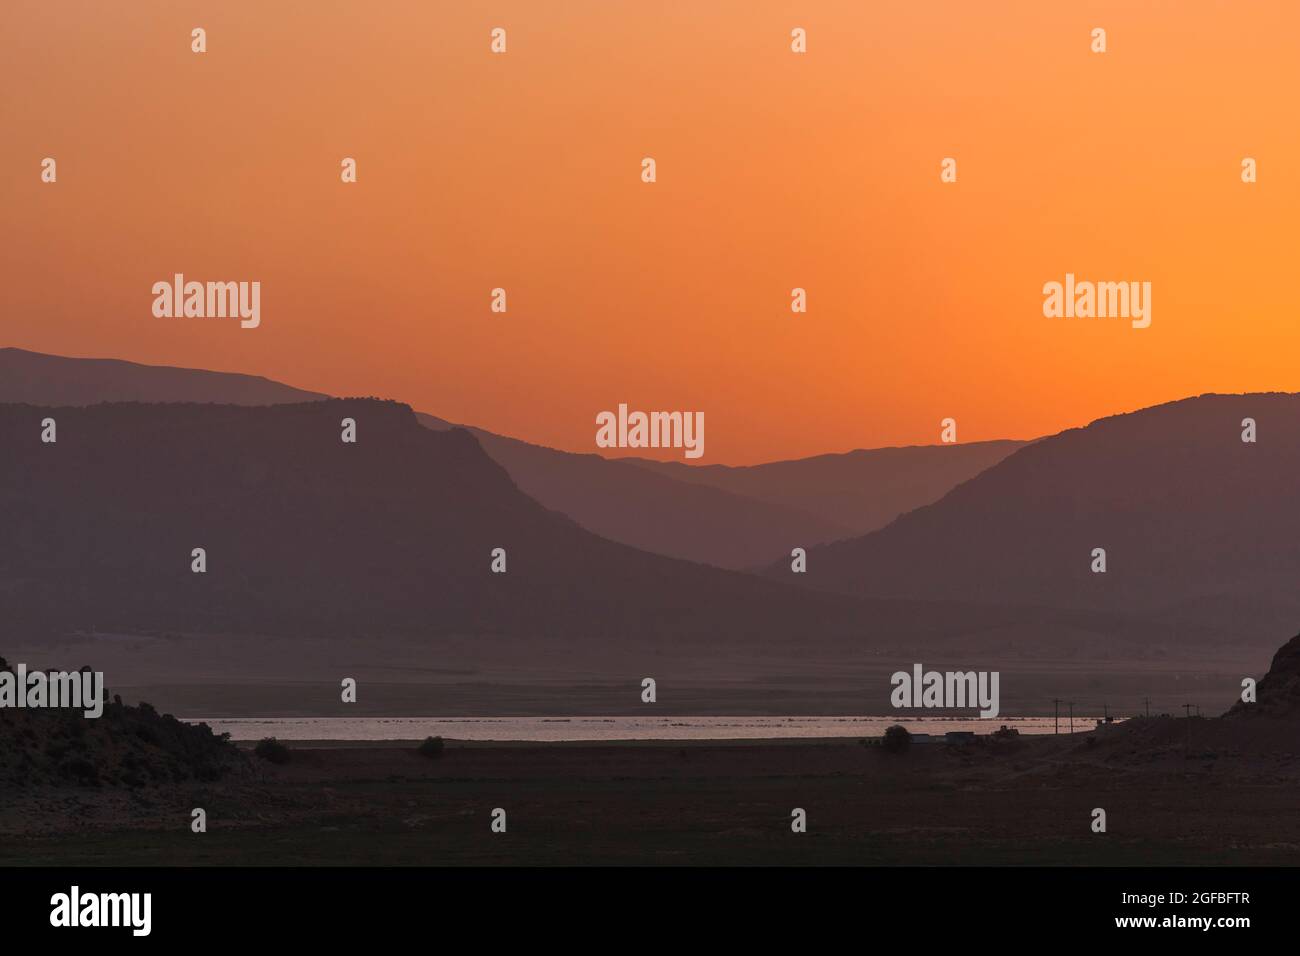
678, 514
1198, 526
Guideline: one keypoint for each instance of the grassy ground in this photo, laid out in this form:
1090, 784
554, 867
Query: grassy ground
700, 804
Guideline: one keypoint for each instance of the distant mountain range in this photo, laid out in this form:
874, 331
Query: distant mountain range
858, 490
307, 536
651, 511
732, 517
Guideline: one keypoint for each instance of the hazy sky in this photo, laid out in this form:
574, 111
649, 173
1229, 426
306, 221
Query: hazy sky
775, 170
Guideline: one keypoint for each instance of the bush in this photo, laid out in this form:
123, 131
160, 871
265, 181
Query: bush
896, 739
431, 747
268, 748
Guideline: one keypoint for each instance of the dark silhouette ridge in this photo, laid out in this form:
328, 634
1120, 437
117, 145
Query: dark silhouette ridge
1199, 527
730, 517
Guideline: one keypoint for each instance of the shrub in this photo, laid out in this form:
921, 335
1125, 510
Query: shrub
268, 748
896, 739
431, 747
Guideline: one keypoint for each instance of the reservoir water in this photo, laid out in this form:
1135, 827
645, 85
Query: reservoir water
611, 728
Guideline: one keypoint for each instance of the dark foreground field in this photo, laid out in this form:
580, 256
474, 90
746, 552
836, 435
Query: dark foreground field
1222, 795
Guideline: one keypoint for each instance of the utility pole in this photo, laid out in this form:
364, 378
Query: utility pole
1187, 748
1105, 712
1147, 702
1071, 717
1056, 720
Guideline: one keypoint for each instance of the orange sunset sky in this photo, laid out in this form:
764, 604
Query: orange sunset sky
775, 170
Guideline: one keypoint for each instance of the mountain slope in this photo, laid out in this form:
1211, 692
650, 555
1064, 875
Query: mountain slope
1196, 524
859, 490
622, 502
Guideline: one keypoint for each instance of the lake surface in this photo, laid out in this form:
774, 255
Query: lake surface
610, 728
